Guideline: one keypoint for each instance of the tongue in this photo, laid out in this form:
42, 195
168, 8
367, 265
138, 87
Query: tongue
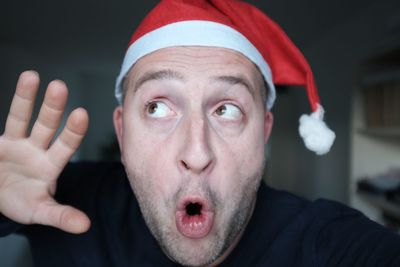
194, 226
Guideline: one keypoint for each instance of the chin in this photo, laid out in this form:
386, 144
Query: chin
189, 252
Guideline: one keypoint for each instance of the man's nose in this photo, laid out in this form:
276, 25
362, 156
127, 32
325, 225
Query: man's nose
196, 154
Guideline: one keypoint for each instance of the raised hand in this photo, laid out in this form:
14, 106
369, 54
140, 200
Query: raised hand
30, 164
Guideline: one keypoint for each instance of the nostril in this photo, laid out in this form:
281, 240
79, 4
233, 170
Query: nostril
193, 209
185, 165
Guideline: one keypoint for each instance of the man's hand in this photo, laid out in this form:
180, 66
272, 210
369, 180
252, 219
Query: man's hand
30, 164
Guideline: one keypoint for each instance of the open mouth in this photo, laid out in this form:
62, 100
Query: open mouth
194, 218
193, 209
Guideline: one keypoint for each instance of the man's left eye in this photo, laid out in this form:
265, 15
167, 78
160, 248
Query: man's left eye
229, 112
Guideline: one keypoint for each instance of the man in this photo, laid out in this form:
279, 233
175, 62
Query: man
196, 88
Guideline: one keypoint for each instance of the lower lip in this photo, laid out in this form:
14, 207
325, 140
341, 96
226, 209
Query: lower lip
196, 226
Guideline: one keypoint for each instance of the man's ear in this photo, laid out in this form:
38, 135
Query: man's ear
268, 123
117, 119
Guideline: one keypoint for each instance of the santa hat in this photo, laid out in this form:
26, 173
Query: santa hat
241, 27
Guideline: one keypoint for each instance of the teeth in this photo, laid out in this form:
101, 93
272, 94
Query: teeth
195, 225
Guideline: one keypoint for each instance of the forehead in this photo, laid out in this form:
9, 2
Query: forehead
197, 60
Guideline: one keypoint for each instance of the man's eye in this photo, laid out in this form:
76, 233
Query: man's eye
158, 109
229, 112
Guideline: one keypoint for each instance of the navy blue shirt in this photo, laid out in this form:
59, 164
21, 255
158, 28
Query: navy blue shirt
285, 230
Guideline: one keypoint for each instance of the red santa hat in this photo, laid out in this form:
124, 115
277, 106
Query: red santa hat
243, 28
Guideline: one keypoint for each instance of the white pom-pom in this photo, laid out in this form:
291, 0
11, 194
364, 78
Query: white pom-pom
316, 134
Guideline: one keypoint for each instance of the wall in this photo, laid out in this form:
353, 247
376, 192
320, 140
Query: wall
335, 59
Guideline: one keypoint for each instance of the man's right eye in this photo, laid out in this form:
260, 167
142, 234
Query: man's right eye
159, 109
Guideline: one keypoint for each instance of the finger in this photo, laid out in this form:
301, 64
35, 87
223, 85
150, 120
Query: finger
64, 217
50, 114
70, 138
22, 105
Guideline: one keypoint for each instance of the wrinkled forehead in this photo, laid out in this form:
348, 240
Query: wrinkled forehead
201, 65
197, 58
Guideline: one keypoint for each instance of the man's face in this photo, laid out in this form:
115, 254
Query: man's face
192, 131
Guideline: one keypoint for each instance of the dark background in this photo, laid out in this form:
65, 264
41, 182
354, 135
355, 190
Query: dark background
83, 43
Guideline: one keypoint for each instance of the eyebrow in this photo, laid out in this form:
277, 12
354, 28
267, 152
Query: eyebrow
169, 74
157, 75
233, 80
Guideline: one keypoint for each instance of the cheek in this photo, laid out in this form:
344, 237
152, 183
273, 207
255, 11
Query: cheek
249, 148
240, 163
148, 161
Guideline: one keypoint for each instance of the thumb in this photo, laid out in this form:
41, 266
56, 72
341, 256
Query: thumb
64, 217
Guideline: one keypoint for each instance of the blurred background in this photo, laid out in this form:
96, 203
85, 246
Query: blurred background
353, 47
